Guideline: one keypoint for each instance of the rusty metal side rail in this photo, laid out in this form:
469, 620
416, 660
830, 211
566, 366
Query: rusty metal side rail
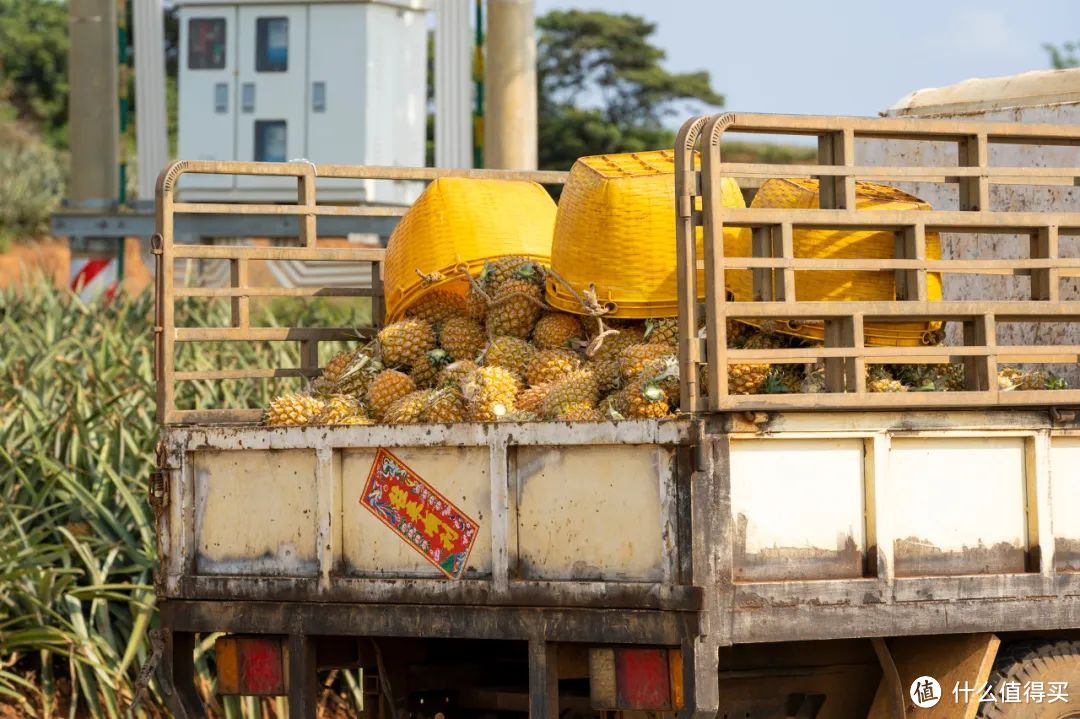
308, 209
699, 209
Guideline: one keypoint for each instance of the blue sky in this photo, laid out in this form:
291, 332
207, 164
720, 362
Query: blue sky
846, 57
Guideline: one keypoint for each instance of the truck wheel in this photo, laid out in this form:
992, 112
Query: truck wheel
1029, 662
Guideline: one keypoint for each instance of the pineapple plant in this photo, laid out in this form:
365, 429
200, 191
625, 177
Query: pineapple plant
386, 388
551, 364
490, 392
293, 409
437, 306
425, 372
556, 329
511, 353
578, 387
405, 342
462, 338
633, 359
515, 309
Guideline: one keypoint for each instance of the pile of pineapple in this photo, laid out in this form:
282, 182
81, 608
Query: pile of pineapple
499, 353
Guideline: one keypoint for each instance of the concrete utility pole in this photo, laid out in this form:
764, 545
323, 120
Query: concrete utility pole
510, 86
453, 84
151, 123
93, 108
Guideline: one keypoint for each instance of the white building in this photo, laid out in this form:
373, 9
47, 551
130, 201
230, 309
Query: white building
331, 81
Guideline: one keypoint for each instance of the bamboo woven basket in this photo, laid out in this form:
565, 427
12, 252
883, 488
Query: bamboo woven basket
457, 224
824, 285
615, 228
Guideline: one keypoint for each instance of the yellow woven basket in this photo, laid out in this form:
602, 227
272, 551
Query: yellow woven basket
838, 244
615, 228
462, 223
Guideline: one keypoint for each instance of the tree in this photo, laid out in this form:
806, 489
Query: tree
33, 63
1063, 57
602, 87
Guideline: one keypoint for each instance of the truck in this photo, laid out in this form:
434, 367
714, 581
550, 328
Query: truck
842, 553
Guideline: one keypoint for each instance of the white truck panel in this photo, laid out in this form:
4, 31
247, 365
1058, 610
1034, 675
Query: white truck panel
1065, 502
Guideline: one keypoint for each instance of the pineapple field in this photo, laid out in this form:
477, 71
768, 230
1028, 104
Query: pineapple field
77, 549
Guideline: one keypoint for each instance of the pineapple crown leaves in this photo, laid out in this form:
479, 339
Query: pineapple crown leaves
652, 392
438, 357
652, 324
1055, 382
774, 384
529, 271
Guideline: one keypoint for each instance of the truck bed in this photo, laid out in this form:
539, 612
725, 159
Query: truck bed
818, 526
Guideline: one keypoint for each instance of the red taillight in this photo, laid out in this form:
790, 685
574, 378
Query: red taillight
250, 666
636, 679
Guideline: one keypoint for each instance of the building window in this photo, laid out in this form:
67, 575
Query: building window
206, 43
270, 141
272, 44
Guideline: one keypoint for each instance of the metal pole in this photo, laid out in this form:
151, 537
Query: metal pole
510, 86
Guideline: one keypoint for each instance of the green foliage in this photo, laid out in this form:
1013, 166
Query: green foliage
602, 87
1064, 57
77, 553
31, 183
33, 63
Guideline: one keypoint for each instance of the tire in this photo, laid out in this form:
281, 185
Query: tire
1035, 661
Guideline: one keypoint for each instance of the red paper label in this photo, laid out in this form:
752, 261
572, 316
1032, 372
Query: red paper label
419, 514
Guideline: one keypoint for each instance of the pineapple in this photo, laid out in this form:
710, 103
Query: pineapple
664, 373
476, 306
408, 409
321, 387
662, 331
358, 419
446, 406
931, 377
633, 359
337, 409
615, 405
515, 309
747, 378
502, 270
490, 392
1011, 378
405, 342
386, 388
614, 344
645, 400
521, 416
426, 372
292, 409
337, 364
462, 338
580, 412
452, 374
556, 329
608, 377
528, 400
577, 387
357, 375
814, 380
437, 306
782, 379
878, 379
510, 353
737, 332
551, 364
